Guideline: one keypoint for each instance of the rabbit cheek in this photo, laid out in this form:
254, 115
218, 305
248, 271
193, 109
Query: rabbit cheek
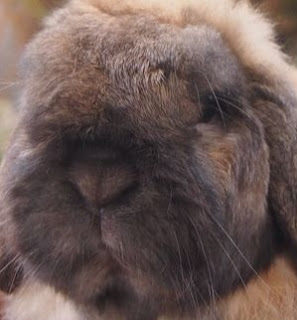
242, 189
194, 216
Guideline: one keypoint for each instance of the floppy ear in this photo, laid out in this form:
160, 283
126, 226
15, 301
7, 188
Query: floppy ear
276, 105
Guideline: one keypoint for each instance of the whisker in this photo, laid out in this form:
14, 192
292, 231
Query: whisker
232, 262
250, 107
238, 249
205, 257
17, 271
9, 263
243, 112
180, 257
216, 100
198, 94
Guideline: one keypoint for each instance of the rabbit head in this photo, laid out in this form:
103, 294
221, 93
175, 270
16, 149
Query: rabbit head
153, 168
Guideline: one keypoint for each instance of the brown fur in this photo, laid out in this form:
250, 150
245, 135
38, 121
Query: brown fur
152, 173
271, 296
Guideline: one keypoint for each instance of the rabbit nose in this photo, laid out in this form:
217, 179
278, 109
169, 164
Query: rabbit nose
101, 179
101, 185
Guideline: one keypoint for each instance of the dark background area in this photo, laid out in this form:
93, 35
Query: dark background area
19, 19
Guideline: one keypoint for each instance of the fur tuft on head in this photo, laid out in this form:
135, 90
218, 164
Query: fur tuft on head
249, 33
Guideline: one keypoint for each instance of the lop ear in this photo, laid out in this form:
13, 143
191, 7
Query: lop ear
277, 108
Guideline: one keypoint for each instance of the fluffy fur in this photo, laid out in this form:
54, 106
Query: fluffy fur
247, 31
271, 296
37, 301
152, 174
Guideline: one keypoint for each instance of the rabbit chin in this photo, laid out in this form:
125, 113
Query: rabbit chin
271, 296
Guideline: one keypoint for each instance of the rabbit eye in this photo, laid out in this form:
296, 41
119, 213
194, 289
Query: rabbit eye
212, 106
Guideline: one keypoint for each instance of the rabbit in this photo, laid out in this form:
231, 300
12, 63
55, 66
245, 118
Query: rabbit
152, 173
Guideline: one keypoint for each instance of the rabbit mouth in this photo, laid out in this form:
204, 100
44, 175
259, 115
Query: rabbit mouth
111, 291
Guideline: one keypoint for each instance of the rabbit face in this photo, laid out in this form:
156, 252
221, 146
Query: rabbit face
138, 181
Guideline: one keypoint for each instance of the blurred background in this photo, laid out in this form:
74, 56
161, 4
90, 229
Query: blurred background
20, 19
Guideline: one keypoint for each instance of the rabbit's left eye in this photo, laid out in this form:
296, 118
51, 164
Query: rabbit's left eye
213, 105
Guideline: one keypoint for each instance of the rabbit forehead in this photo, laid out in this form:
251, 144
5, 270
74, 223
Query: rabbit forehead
136, 43
248, 32
91, 56
144, 48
